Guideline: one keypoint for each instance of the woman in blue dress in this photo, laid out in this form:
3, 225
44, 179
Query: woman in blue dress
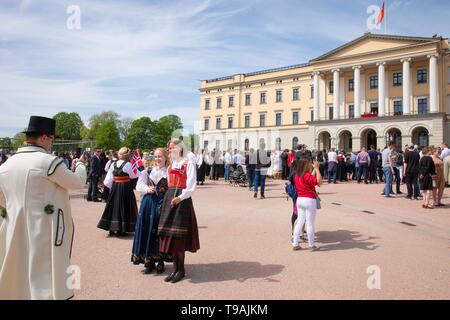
152, 184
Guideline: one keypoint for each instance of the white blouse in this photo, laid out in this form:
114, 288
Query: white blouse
191, 181
127, 168
155, 175
109, 163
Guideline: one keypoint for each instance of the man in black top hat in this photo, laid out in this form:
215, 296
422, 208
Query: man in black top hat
37, 226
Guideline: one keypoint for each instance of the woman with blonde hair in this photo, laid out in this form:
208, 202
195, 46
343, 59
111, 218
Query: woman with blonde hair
438, 178
119, 216
178, 231
152, 184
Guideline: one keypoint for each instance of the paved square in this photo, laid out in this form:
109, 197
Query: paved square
246, 252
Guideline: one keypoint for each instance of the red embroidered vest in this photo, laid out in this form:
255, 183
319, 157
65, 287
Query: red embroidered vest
178, 177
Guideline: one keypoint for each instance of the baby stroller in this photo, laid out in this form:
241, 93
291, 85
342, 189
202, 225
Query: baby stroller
238, 177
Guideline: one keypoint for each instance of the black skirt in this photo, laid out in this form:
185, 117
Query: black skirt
426, 182
177, 229
121, 210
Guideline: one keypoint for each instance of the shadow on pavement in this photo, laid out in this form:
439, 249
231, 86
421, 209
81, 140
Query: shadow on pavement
344, 240
232, 270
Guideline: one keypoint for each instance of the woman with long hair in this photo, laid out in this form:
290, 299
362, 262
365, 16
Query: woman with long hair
307, 178
152, 184
178, 231
119, 216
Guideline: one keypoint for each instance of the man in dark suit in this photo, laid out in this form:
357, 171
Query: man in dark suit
94, 174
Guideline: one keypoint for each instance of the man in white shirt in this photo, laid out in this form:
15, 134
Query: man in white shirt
445, 151
332, 165
228, 161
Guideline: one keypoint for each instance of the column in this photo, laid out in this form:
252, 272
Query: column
433, 83
336, 94
357, 91
406, 85
381, 88
316, 96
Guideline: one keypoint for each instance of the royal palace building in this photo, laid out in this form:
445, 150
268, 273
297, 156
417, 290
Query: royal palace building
368, 91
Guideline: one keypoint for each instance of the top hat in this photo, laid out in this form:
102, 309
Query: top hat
41, 125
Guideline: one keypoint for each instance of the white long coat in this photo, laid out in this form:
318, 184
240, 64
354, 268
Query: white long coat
35, 246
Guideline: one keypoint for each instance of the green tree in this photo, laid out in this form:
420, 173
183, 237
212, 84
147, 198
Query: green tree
18, 140
96, 121
107, 136
165, 127
68, 125
125, 125
6, 143
139, 135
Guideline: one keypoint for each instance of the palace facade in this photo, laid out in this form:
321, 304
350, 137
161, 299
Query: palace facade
368, 91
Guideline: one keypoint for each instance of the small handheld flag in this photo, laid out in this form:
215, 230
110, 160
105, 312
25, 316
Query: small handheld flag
136, 162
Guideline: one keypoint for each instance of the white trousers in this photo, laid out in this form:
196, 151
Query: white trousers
307, 208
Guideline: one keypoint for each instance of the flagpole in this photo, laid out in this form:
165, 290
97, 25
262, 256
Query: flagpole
385, 16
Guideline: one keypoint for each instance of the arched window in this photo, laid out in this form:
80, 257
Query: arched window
423, 138
294, 143
247, 145
278, 144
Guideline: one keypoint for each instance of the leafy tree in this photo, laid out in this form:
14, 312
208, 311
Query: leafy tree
68, 125
139, 135
107, 136
18, 140
165, 128
124, 126
6, 143
97, 120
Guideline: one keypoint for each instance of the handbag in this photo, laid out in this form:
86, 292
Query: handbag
318, 200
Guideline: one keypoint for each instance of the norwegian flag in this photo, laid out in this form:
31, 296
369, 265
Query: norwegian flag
136, 162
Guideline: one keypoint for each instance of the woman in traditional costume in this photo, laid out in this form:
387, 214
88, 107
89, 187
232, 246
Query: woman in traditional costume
178, 229
119, 216
152, 184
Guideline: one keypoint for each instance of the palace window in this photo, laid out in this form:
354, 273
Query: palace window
312, 92
330, 113
279, 96
247, 121
219, 103
398, 79
218, 123
248, 99
331, 87
295, 117
422, 105
295, 94
262, 120
422, 76
351, 111
373, 82
262, 98
207, 103
230, 122
231, 101
206, 124
351, 85
398, 107
278, 119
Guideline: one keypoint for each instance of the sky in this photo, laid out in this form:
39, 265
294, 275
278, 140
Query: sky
146, 58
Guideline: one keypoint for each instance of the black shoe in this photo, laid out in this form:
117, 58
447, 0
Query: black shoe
399, 192
255, 195
170, 276
96, 200
262, 196
178, 277
409, 197
149, 267
89, 200
112, 234
160, 268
